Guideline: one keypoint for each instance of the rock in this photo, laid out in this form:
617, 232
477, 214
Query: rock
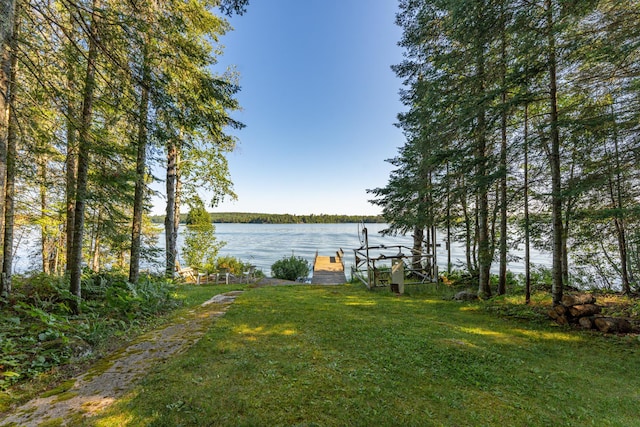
560, 309
225, 298
612, 324
465, 296
587, 322
582, 310
560, 314
571, 300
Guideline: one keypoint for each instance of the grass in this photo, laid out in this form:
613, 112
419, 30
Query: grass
335, 356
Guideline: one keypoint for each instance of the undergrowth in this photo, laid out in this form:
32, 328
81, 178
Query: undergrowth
38, 330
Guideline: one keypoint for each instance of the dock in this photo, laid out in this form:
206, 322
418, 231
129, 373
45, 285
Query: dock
329, 270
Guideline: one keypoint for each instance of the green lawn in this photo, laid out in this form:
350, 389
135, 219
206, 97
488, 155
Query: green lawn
336, 356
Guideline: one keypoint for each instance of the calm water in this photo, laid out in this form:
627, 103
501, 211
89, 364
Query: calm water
264, 244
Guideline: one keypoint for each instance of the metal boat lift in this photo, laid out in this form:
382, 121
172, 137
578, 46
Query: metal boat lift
393, 265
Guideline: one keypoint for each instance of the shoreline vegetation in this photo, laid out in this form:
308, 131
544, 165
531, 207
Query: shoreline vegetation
266, 218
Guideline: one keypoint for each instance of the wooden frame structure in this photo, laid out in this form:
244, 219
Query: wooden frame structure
381, 265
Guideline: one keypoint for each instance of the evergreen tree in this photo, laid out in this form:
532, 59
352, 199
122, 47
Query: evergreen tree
200, 245
84, 88
552, 82
7, 64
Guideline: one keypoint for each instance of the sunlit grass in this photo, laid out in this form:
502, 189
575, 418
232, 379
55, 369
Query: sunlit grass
335, 356
261, 330
555, 335
487, 333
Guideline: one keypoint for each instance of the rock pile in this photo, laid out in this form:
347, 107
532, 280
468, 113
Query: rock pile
583, 310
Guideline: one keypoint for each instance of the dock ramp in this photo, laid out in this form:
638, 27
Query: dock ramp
329, 270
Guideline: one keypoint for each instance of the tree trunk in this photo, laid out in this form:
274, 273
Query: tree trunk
482, 180
177, 201
71, 162
418, 237
565, 248
12, 141
467, 224
71, 175
554, 160
56, 262
44, 229
7, 28
169, 228
502, 276
567, 214
448, 222
619, 219
141, 160
434, 253
9, 215
527, 231
95, 258
484, 251
84, 147
474, 242
122, 255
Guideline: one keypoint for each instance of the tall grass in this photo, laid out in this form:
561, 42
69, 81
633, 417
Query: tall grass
336, 356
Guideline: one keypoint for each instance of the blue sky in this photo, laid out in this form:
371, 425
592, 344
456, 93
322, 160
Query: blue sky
319, 102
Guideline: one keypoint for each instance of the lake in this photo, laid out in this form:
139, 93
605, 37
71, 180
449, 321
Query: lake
264, 244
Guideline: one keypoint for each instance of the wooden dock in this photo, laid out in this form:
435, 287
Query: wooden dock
329, 270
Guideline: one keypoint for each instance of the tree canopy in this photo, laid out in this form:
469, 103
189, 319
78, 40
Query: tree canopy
522, 120
95, 96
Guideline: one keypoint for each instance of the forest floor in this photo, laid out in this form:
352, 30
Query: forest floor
110, 378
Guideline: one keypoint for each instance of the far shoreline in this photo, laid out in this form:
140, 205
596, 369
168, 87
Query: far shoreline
266, 218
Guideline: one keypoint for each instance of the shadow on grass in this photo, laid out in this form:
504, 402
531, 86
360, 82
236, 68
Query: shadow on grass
304, 355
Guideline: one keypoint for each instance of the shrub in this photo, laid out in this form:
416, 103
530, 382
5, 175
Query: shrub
541, 278
290, 268
201, 248
234, 265
461, 279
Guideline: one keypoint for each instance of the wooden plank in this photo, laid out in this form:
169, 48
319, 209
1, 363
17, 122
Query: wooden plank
328, 270
323, 263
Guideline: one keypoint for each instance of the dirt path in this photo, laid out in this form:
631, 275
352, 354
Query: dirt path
116, 374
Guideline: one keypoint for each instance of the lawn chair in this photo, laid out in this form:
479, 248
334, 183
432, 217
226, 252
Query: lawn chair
248, 275
190, 275
223, 274
187, 274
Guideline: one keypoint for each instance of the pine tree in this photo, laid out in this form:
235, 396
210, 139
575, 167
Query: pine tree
84, 149
11, 150
7, 64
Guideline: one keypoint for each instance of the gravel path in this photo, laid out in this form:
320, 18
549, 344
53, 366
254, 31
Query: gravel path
101, 386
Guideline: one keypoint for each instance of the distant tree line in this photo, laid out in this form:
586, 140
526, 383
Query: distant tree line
524, 112
261, 218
